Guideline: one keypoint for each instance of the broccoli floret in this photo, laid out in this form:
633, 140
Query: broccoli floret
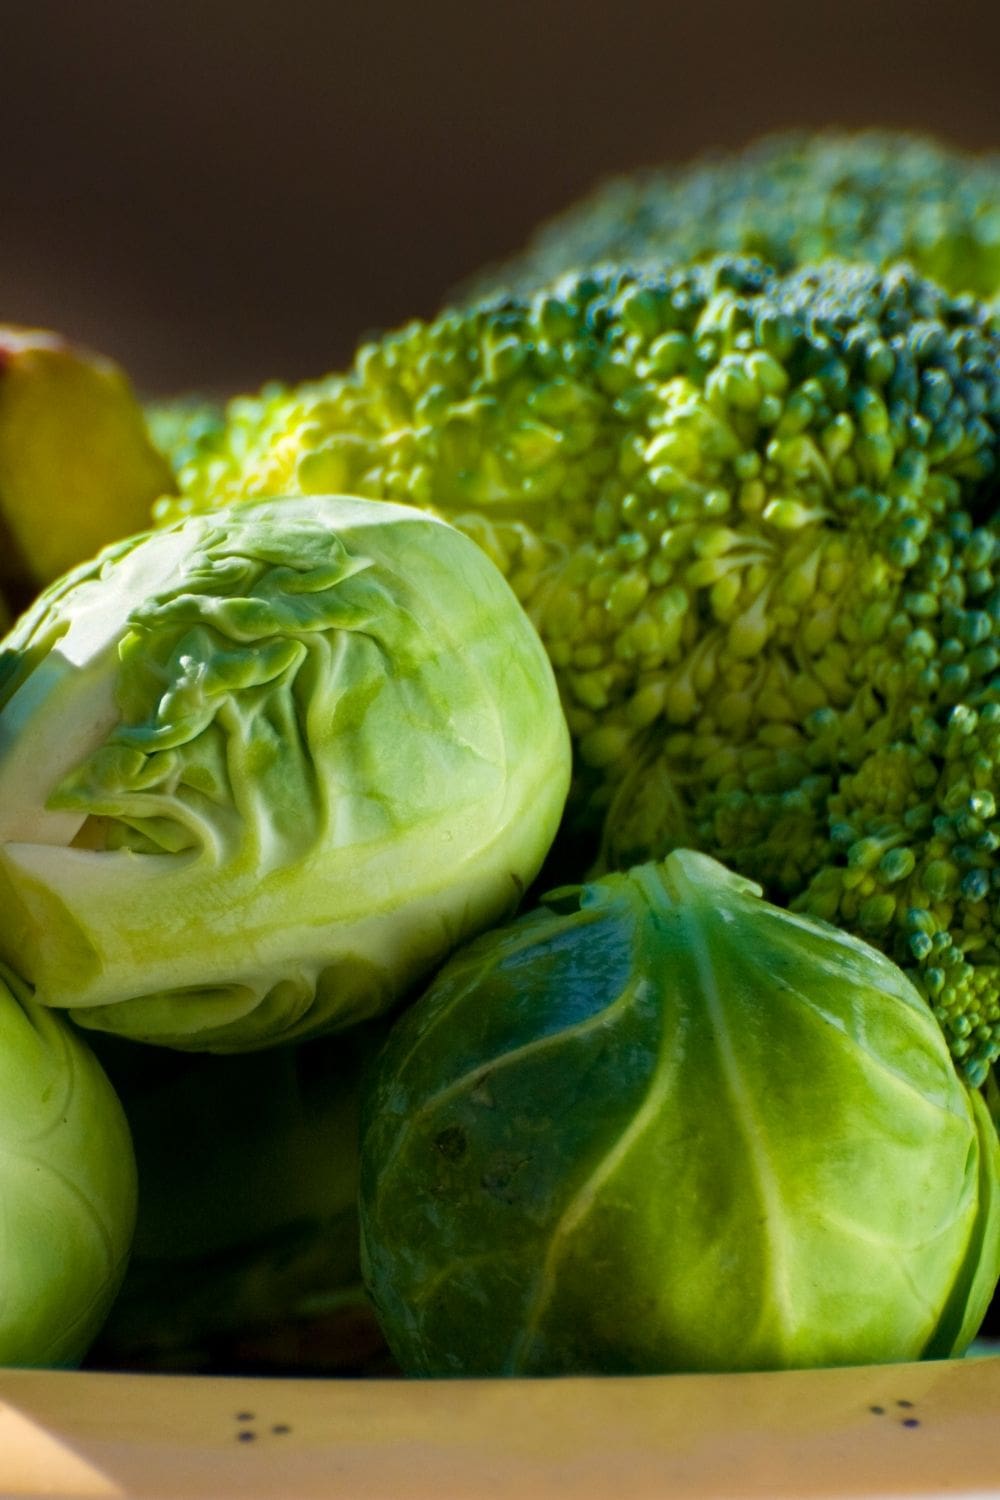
752, 517
179, 425
792, 199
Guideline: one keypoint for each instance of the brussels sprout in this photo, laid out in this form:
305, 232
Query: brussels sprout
658, 1124
67, 1186
262, 770
246, 1244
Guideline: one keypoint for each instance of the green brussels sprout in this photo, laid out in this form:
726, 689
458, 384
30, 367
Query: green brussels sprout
67, 1186
658, 1124
261, 771
246, 1243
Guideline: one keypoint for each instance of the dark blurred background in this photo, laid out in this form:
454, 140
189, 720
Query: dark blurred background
221, 192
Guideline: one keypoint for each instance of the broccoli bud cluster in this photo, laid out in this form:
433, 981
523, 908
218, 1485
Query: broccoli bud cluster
880, 196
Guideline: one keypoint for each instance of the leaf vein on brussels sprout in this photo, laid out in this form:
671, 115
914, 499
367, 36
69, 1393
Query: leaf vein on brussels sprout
761, 1156
510, 1059
922, 1093
583, 1201
480, 959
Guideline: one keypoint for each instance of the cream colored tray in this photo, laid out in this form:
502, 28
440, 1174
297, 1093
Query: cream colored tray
888, 1430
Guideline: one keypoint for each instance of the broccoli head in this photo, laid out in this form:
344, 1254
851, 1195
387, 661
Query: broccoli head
793, 198
752, 517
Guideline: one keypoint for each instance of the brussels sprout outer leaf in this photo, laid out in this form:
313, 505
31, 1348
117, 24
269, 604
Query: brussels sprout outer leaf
977, 1284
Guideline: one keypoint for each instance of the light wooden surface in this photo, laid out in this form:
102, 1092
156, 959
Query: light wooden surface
904, 1430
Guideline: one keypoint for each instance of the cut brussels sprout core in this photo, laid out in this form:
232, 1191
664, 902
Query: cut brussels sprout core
67, 1186
261, 771
658, 1124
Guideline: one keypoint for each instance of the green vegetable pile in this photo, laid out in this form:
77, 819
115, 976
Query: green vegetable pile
560, 752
